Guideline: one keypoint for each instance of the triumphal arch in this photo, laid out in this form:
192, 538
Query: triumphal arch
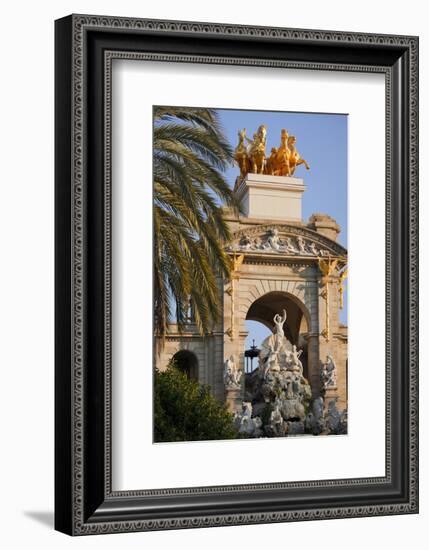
284, 269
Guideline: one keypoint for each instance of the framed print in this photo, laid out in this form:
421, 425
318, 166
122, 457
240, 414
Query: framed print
236, 275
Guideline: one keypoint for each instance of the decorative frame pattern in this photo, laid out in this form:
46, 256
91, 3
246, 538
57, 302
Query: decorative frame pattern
84, 506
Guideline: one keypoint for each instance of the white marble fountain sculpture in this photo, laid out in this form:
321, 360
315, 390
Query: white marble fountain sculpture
281, 399
282, 389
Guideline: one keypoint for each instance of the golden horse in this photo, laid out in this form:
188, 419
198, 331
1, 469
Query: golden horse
295, 159
271, 162
282, 159
241, 155
251, 158
257, 150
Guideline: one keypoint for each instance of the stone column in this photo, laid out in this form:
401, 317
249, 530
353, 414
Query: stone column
332, 345
313, 361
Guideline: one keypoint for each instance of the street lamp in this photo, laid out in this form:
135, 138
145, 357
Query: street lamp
250, 354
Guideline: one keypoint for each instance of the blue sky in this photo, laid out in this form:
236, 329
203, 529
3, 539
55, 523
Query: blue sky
322, 141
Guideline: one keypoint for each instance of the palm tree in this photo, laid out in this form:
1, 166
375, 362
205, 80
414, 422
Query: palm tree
189, 155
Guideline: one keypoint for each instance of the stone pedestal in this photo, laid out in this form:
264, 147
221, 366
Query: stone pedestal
330, 394
271, 197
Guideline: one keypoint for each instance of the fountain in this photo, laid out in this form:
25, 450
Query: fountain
279, 397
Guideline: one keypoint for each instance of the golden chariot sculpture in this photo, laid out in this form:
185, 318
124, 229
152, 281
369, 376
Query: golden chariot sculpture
250, 155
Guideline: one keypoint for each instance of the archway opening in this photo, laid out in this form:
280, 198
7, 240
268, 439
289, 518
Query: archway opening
187, 362
265, 308
260, 324
256, 334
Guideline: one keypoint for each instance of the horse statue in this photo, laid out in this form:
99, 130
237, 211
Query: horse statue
250, 155
257, 150
271, 163
294, 157
241, 155
282, 160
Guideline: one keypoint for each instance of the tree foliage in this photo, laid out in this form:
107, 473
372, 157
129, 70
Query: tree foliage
186, 411
190, 156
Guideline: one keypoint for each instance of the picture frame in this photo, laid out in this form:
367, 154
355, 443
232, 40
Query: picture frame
84, 500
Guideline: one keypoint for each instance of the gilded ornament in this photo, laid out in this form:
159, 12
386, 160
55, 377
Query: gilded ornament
251, 158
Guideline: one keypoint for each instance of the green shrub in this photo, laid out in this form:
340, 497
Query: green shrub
184, 410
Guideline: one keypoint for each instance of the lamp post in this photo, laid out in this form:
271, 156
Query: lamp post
250, 354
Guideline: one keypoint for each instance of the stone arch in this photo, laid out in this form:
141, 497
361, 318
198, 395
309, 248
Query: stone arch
266, 305
187, 362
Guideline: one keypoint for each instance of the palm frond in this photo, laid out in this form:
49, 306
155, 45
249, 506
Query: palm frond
190, 156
